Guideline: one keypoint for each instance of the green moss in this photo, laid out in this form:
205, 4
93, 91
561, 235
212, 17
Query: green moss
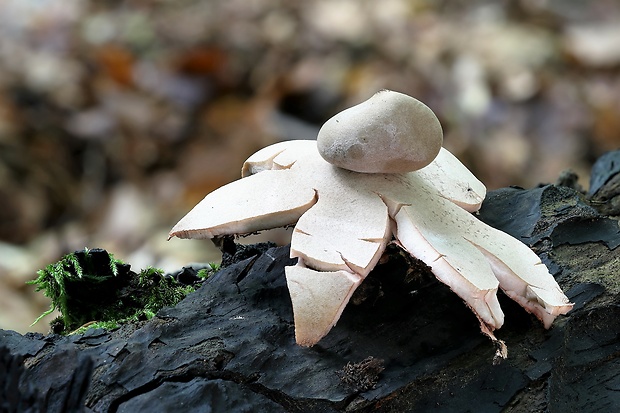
160, 291
209, 271
107, 325
91, 288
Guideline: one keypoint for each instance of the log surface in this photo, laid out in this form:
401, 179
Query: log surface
404, 343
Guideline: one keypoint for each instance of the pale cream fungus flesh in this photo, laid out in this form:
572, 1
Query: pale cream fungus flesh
344, 217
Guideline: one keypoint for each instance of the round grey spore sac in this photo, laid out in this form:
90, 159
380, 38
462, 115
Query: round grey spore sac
388, 133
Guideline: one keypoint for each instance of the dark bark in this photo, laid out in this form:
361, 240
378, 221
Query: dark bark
230, 345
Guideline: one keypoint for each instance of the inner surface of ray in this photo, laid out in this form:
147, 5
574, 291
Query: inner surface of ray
345, 219
340, 233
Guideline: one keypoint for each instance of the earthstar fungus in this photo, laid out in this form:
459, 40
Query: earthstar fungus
412, 192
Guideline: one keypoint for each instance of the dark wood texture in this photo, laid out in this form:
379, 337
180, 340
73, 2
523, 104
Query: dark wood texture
229, 347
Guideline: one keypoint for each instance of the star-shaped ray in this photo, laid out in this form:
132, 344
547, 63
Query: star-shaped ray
344, 220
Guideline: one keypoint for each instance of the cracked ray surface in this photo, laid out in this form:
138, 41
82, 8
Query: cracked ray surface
345, 219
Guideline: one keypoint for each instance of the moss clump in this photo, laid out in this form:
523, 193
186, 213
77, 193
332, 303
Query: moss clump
208, 271
92, 286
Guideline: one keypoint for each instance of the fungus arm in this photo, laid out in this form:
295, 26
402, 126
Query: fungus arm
453, 181
269, 199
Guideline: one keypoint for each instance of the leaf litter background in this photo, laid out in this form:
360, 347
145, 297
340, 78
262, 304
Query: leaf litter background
117, 117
